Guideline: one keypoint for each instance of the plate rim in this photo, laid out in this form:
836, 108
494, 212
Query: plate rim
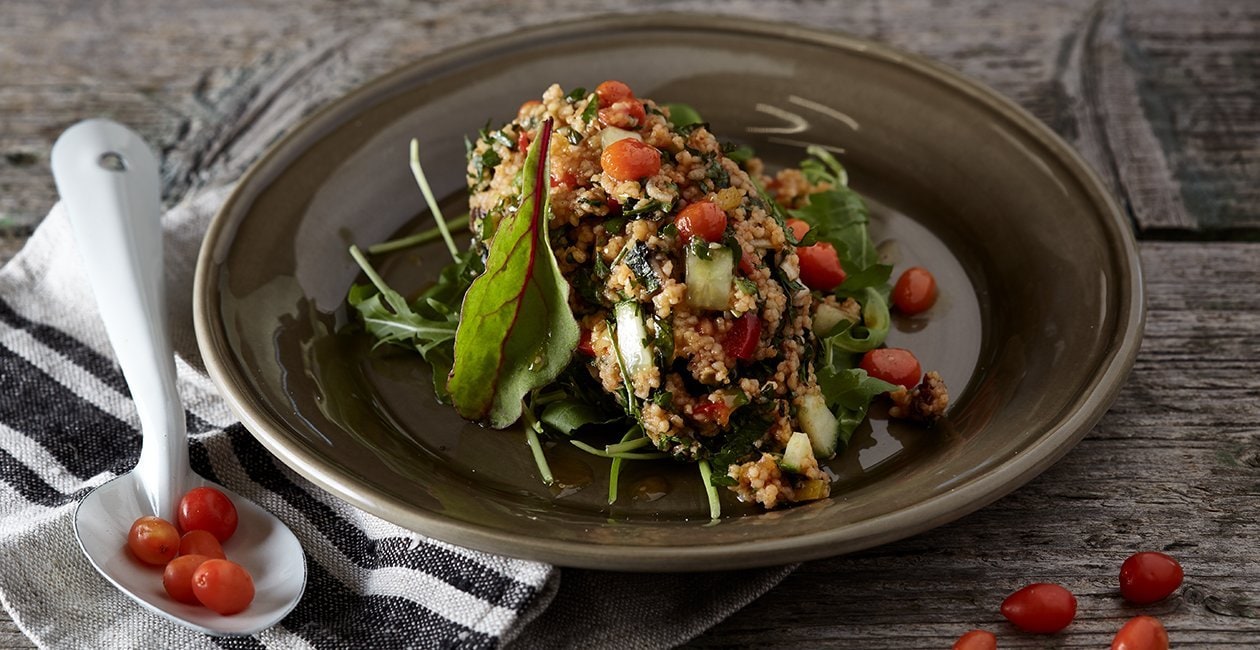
1090, 404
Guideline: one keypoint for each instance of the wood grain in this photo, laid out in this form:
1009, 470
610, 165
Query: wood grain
1161, 96
1173, 466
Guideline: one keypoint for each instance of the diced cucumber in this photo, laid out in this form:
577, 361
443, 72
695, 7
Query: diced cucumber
819, 422
612, 134
799, 449
632, 338
709, 280
827, 317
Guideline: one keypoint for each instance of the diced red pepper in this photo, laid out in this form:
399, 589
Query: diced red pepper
717, 412
522, 141
584, 343
742, 339
747, 263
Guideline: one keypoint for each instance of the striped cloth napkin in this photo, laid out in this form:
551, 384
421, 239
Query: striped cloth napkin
67, 425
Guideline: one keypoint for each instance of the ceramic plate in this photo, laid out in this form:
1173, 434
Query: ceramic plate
1038, 323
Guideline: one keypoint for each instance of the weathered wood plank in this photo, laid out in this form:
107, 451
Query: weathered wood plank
1174, 466
1162, 96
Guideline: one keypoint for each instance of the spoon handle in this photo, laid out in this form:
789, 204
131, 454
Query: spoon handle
108, 181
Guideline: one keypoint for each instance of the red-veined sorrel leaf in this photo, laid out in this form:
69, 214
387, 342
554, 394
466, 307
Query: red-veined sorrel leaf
516, 331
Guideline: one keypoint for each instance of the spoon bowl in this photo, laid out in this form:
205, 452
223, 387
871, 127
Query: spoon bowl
108, 181
261, 544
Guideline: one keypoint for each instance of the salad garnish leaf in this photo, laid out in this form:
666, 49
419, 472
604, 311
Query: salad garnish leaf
517, 332
848, 393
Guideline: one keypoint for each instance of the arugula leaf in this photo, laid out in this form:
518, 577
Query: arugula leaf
838, 215
848, 393
517, 332
683, 115
747, 426
569, 414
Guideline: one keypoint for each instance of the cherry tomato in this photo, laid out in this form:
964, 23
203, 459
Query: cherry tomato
612, 91
527, 107
703, 218
741, 340
1041, 608
201, 542
566, 178
1141, 633
522, 141
820, 266
223, 586
915, 291
893, 365
208, 509
153, 540
798, 228
976, 640
1149, 577
177, 577
627, 114
630, 160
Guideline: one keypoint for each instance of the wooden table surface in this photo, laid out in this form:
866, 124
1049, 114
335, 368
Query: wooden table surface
1162, 97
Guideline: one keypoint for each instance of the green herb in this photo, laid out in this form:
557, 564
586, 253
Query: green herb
747, 427
615, 225
746, 286
576, 94
641, 266
718, 174
592, 109
614, 470
664, 344
574, 137
644, 207
739, 153
516, 332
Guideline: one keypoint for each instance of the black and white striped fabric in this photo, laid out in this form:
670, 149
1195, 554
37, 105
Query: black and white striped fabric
67, 425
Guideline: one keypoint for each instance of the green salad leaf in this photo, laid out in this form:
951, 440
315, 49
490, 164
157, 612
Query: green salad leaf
517, 332
838, 215
848, 393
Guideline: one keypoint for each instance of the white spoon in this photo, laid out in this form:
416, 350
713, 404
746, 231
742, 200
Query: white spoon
108, 181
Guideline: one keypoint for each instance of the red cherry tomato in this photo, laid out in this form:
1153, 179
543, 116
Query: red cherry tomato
566, 178
976, 640
177, 577
527, 106
798, 228
893, 365
1149, 577
630, 160
612, 91
627, 114
153, 540
703, 218
742, 339
820, 266
208, 509
223, 586
915, 291
1141, 633
201, 542
748, 263
1041, 608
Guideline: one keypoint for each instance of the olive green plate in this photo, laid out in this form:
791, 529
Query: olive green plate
1038, 324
